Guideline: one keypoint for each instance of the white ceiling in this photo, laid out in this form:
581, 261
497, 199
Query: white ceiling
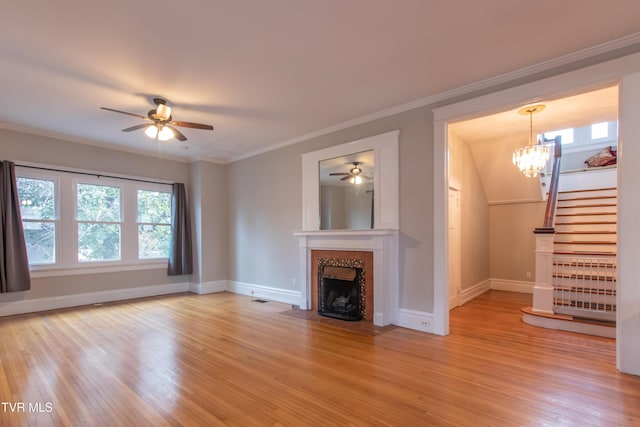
266, 73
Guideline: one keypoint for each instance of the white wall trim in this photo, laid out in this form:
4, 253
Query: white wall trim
512, 285
64, 301
414, 319
208, 287
476, 290
266, 292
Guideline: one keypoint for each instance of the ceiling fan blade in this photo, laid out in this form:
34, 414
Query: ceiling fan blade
128, 114
136, 127
339, 173
345, 178
191, 125
179, 135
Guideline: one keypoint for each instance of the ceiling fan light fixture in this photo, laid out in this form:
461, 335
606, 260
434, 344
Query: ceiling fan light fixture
165, 134
163, 112
151, 131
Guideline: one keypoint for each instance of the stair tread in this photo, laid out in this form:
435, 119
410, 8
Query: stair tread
595, 205
585, 242
584, 253
590, 189
586, 232
569, 199
588, 223
587, 214
529, 310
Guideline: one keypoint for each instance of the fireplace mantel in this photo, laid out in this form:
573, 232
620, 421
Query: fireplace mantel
383, 244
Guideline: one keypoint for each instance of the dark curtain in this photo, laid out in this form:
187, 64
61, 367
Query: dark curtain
14, 264
180, 257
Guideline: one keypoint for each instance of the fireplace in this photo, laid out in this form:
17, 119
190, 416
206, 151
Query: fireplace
377, 249
341, 289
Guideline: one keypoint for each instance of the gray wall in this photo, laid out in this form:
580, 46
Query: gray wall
265, 208
208, 197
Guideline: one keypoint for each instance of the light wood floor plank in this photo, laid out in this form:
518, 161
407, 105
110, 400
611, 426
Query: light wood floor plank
222, 359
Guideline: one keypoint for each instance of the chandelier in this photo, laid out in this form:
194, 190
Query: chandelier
531, 159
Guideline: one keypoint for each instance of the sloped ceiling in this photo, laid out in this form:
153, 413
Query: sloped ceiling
268, 73
492, 139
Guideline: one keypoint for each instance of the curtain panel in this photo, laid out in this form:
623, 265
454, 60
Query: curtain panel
14, 264
180, 251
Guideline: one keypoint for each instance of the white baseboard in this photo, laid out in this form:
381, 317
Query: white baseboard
208, 287
414, 319
64, 301
259, 291
476, 290
512, 286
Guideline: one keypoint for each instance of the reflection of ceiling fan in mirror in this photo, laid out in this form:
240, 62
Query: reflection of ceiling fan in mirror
354, 176
162, 125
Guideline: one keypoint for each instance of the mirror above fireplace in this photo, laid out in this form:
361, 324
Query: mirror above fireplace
352, 186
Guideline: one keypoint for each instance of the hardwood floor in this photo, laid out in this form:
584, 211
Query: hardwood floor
222, 359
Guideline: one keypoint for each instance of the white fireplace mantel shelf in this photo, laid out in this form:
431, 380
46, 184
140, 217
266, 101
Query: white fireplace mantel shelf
384, 245
341, 233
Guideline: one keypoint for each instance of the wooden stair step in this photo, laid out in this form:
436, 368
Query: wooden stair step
586, 242
569, 199
588, 190
586, 232
529, 310
587, 214
594, 205
588, 223
585, 253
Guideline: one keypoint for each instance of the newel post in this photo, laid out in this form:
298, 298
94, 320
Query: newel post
543, 289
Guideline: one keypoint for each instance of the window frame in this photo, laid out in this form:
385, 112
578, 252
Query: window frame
66, 234
39, 175
150, 188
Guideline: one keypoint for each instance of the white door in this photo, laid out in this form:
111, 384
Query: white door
454, 248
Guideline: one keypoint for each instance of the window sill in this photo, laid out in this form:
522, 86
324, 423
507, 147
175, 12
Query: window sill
93, 269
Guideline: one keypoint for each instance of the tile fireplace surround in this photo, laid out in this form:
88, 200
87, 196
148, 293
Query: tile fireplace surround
384, 246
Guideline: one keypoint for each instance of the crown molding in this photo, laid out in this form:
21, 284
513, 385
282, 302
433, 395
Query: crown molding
521, 73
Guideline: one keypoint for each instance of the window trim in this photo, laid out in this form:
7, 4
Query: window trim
67, 262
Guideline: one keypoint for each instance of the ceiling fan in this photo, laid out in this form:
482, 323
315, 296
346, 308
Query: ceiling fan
354, 175
162, 126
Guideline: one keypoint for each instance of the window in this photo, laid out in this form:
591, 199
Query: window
98, 216
75, 223
38, 210
599, 130
154, 224
566, 135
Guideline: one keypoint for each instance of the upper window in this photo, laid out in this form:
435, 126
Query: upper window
98, 216
154, 224
38, 209
566, 135
599, 130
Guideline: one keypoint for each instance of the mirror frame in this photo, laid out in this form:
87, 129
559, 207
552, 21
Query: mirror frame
386, 204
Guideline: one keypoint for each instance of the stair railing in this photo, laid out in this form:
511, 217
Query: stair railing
543, 288
552, 197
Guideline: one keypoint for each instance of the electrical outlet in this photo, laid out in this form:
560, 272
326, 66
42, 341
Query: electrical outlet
425, 323
251, 292
528, 275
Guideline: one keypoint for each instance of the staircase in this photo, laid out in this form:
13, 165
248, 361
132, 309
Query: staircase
584, 254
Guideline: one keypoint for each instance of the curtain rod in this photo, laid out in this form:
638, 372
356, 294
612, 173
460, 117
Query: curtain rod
97, 175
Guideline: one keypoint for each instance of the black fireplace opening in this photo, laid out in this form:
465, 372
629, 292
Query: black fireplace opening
341, 292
